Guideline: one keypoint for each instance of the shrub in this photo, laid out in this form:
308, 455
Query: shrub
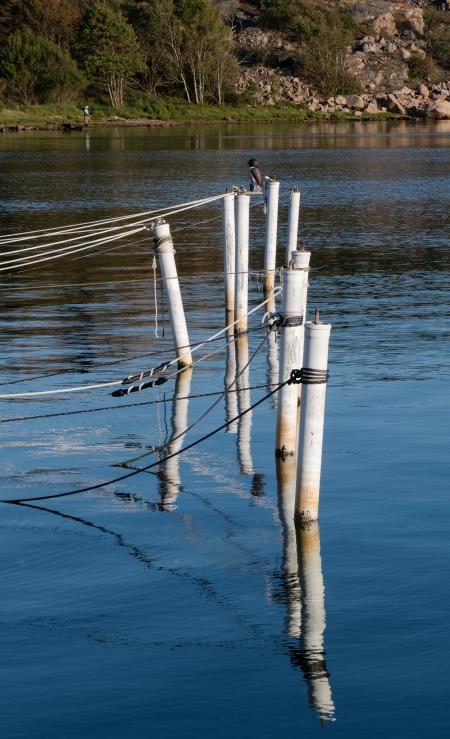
37, 70
424, 68
437, 32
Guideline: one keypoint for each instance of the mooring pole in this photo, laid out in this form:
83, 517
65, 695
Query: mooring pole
300, 260
294, 211
241, 268
313, 621
229, 254
291, 356
314, 379
270, 251
163, 248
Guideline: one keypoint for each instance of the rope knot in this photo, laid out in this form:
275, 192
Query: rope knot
296, 377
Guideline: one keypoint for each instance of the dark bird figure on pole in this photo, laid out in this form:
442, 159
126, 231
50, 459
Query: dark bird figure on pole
256, 178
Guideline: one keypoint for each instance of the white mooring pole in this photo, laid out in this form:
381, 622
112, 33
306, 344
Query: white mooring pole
314, 379
229, 254
241, 268
300, 260
270, 251
163, 248
294, 211
291, 357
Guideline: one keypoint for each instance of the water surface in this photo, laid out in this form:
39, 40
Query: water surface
171, 605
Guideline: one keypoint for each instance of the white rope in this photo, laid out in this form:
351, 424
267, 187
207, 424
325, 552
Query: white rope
72, 228
115, 228
81, 388
58, 253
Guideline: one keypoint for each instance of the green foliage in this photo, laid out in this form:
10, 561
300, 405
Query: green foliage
37, 70
437, 25
424, 69
322, 33
107, 48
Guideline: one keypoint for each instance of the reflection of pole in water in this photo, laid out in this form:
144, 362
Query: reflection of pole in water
311, 655
169, 471
286, 479
244, 402
272, 350
231, 398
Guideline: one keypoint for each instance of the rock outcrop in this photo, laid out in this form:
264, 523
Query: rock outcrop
380, 61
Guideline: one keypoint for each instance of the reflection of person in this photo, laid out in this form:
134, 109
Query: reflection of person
256, 178
86, 115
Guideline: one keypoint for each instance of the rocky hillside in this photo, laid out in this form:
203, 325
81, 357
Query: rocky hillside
397, 61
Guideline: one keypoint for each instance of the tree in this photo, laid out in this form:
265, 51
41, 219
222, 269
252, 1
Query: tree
36, 70
107, 49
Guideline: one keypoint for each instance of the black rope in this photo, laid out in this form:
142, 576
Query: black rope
314, 376
289, 321
292, 380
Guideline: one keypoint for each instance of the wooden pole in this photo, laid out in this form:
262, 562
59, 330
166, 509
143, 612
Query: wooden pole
165, 252
291, 356
229, 254
314, 386
241, 269
294, 211
270, 251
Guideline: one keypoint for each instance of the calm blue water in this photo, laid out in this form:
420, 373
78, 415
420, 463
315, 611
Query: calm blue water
173, 605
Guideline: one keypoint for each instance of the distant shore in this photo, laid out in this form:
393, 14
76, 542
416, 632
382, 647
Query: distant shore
163, 115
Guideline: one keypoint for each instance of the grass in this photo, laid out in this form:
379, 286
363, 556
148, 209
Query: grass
162, 109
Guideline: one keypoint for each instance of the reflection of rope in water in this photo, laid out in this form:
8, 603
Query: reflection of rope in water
98, 486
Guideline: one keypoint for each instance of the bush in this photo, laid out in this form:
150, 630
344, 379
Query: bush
424, 68
37, 70
437, 32
323, 34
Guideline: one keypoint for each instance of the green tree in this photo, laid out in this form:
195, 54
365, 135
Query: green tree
108, 50
36, 70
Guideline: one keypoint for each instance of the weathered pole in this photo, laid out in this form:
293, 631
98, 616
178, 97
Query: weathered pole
163, 249
270, 251
300, 260
294, 211
241, 268
291, 357
229, 239
314, 379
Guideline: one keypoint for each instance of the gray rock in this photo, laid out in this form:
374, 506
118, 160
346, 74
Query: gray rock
356, 102
422, 90
384, 26
439, 109
371, 108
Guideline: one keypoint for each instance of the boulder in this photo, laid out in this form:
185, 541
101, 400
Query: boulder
422, 90
410, 22
372, 108
340, 100
439, 109
394, 105
355, 102
384, 26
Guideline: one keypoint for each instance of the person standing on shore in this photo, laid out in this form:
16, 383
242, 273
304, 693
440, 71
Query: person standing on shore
86, 115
